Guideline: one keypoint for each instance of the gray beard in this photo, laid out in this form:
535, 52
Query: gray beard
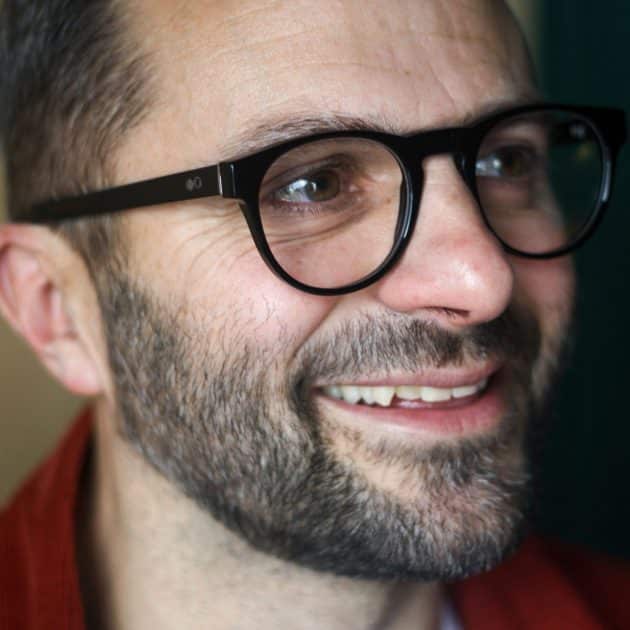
238, 431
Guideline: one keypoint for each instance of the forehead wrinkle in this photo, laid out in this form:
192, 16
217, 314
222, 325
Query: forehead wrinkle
233, 30
238, 66
232, 45
261, 8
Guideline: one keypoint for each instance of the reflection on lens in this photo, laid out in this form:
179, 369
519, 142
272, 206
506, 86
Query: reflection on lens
329, 210
539, 177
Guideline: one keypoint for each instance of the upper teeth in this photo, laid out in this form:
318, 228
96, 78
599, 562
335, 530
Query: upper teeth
384, 395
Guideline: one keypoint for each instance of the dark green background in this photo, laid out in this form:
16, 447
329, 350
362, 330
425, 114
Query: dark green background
585, 59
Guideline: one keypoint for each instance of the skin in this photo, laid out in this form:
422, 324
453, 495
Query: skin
156, 560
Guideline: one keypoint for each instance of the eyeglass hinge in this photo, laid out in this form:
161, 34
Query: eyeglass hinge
225, 179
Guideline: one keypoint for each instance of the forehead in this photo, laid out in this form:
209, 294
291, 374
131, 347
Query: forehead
221, 66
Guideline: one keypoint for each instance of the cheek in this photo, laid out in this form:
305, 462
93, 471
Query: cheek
215, 278
548, 285
548, 288
253, 307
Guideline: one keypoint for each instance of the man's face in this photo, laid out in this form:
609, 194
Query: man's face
223, 372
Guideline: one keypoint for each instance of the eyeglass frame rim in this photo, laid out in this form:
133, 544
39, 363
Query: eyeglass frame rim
240, 179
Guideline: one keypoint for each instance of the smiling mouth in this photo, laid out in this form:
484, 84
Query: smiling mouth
405, 395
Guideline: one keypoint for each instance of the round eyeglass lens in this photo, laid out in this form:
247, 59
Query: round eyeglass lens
539, 179
329, 210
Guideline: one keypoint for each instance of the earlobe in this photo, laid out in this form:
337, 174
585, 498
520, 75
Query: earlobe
33, 302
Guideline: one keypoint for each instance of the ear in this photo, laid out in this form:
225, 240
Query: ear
39, 307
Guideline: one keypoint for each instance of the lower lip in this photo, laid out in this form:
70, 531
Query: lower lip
467, 416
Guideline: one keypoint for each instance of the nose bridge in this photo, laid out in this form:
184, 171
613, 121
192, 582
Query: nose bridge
435, 142
432, 143
452, 262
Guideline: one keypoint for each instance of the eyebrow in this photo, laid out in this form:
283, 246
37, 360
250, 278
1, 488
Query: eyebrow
275, 130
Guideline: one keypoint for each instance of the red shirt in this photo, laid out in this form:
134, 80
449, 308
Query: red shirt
544, 586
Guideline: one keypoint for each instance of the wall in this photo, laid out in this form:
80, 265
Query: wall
586, 48
528, 13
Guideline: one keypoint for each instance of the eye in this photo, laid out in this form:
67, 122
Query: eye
512, 162
313, 188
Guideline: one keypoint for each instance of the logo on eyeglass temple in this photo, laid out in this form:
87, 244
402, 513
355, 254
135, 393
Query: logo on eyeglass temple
194, 183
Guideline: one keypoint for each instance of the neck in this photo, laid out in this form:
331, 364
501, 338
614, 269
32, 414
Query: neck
151, 558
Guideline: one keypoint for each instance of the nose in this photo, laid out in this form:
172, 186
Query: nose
453, 269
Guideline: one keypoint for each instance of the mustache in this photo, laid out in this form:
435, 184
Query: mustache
383, 344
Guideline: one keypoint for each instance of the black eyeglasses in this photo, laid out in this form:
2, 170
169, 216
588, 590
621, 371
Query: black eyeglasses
333, 212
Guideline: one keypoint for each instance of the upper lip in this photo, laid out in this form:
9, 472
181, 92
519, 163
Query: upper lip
446, 377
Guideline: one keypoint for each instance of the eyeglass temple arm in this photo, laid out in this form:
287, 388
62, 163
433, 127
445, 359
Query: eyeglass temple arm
209, 181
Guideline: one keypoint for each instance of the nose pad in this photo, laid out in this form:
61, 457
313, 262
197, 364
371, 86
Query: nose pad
466, 171
459, 159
